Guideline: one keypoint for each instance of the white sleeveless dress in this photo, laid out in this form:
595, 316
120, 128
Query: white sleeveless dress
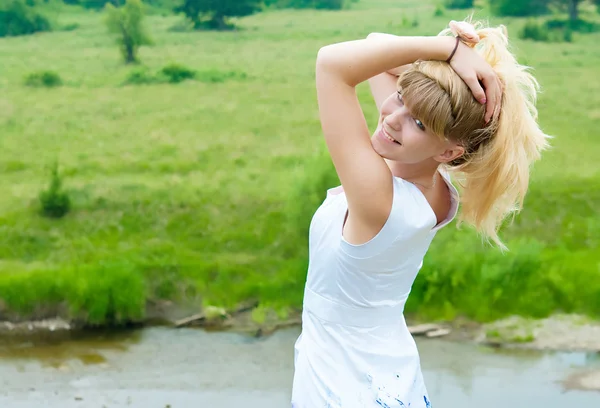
355, 349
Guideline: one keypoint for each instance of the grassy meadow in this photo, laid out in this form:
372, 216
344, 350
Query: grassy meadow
201, 192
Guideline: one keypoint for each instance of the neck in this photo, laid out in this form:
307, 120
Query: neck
421, 173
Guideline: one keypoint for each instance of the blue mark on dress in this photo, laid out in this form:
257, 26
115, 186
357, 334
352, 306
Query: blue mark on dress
427, 403
333, 401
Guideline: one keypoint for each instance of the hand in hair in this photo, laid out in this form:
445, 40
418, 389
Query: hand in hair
480, 78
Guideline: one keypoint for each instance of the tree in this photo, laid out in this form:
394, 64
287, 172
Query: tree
573, 6
213, 14
19, 18
459, 4
519, 8
126, 23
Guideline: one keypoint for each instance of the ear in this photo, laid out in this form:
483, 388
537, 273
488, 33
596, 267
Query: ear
452, 152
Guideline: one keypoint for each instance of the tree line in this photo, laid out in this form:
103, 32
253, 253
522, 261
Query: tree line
20, 17
526, 8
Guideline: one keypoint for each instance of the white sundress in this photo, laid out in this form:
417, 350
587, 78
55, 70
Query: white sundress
355, 349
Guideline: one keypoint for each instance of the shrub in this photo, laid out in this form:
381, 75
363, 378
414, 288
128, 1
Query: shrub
439, 11
70, 27
580, 25
568, 35
54, 201
17, 18
519, 8
533, 30
140, 76
308, 4
126, 23
48, 79
215, 75
176, 73
459, 4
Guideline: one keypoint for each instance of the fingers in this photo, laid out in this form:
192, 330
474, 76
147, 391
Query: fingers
493, 92
476, 89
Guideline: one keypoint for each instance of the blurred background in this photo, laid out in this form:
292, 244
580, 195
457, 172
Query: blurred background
160, 163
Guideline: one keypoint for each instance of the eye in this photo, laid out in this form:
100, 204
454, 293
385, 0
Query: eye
420, 124
400, 97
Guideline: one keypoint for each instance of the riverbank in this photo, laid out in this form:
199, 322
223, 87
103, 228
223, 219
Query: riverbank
559, 332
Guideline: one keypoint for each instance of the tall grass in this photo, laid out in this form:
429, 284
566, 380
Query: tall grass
202, 191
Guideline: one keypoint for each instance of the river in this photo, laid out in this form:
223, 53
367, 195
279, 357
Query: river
179, 368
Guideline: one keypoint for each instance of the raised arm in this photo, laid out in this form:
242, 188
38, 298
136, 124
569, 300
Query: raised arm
364, 174
384, 84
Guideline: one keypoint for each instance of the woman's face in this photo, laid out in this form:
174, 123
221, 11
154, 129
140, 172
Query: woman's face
403, 138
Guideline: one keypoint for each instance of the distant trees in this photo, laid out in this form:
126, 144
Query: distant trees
17, 17
459, 4
535, 7
315, 4
214, 14
126, 23
519, 8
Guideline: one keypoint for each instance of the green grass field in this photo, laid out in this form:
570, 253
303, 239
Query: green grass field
201, 192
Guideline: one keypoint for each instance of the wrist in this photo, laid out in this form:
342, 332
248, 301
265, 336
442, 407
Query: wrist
447, 48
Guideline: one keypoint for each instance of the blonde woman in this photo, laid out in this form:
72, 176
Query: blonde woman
448, 104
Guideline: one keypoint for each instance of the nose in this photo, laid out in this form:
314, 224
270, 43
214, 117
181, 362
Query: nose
394, 119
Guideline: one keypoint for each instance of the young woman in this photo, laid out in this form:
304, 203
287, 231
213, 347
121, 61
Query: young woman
461, 105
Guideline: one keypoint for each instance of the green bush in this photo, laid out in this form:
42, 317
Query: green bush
48, 79
582, 26
140, 76
310, 4
216, 76
533, 30
70, 27
459, 4
17, 18
55, 202
175, 73
519, 8
439, 11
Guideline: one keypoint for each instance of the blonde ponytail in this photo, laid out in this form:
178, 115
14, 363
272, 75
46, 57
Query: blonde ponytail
493, 175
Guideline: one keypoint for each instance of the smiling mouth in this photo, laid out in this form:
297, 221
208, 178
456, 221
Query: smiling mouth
385, 135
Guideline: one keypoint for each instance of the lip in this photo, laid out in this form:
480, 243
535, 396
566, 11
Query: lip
385, 136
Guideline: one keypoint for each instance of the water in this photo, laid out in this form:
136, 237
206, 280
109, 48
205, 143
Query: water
161, 367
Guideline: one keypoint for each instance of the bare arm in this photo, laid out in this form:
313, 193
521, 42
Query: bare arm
364, 174
384, 84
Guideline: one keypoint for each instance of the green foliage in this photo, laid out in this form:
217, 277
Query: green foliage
459, 4
214, 14
176, 73
55, 202
70, 27
202, 192
581, 25
218, 76
534, 30
439, 10
568, 35
140, 76
126, 23
18, 18
48, 79
519, 8
310, 4
108, 292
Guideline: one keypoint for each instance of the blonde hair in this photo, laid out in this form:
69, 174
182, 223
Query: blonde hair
493, 174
